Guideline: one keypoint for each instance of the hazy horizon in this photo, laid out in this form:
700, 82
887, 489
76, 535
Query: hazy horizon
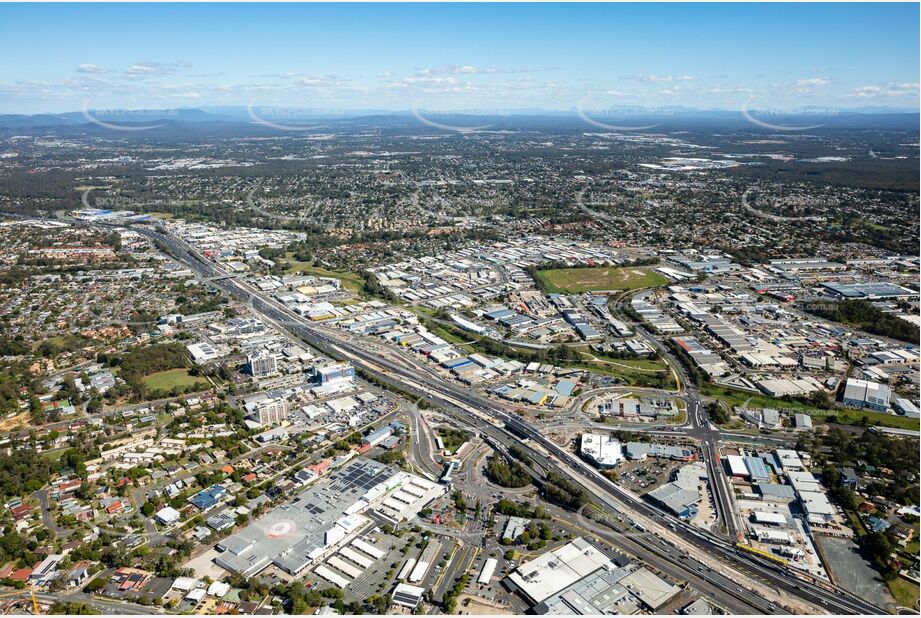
459, 58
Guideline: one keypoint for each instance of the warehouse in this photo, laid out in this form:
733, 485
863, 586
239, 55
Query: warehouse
769, 519
737, 467
864, 394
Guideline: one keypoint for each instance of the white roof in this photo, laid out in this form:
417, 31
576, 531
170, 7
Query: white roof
168, 513
604, 450
196, 595
789, 459
218, 589
548, 574
184, 583
867, 392
737, 465
769, 518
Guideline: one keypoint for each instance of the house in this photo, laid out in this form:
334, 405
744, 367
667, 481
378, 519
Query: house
21, 512
208, 498
876, 524
77, 575
903, 533
849, 477
168, 516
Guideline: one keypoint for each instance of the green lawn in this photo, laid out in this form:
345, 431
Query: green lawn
452, 438
905, 592
166, 380
633, 371
845, 416
350, 281
576, 280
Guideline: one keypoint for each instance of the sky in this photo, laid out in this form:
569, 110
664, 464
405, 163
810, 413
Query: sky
458, 57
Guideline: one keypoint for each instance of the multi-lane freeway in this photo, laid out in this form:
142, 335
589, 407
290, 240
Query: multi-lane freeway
762, 579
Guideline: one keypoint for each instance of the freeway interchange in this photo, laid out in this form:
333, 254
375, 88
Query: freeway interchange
709, 561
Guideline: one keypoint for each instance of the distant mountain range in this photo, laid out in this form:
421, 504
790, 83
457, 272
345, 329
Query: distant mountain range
274, 118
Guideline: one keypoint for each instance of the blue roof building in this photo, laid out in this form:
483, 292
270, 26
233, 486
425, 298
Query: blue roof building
207, 498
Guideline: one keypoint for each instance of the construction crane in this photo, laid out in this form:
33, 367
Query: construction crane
31, 592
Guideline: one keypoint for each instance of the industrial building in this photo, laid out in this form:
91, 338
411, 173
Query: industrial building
865, 394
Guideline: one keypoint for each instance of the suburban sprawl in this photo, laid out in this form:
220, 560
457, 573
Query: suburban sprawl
381, 367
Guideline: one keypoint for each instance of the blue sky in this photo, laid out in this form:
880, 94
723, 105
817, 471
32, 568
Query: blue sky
458, 57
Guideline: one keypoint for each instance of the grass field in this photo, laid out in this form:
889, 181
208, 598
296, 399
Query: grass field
166, 380
576, 280
350, 281
905, 592
633, 371
845, 416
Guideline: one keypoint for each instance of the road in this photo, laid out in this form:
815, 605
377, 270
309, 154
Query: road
481, 413
56, 531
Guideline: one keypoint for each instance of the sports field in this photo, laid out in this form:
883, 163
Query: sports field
576, 280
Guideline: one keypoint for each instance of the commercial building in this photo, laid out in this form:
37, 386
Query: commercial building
538, 579
408, 596
325, 517
267, 411
261, 364
642, 450
605, 451
377, 436
486, 573
579, 579
682, 494
514, 528
865, 394
334, 373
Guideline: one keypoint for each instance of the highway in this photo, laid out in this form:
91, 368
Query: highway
476, 411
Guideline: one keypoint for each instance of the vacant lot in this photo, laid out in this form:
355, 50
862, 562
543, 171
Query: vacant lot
575, 280
350, 281
166, 380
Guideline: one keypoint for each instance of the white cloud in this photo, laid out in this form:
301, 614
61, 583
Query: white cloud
892, 89
153, 68
663, 79
91, 68
813, 81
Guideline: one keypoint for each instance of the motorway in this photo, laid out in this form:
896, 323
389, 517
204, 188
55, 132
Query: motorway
735, 569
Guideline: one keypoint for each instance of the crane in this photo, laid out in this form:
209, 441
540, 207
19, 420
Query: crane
31, 592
